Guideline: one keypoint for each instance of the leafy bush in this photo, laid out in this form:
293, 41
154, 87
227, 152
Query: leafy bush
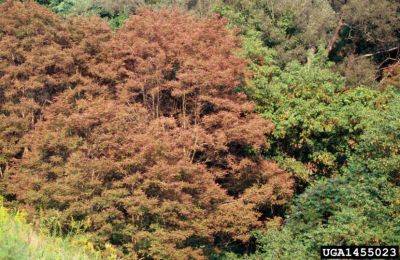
340, 143
321, 123
353, 209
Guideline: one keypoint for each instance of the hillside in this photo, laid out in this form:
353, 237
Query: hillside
182, 129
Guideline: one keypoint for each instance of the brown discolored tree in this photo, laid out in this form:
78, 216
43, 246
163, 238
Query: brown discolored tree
155, 148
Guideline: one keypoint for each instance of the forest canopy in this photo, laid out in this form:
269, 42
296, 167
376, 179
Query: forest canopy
203, 129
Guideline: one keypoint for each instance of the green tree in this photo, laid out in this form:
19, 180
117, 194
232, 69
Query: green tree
377, 149
290, 27
352, 209
361, 36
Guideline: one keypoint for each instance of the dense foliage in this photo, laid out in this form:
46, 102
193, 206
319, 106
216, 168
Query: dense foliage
339, 140
151, 143
40, 56
361, 36
198, 129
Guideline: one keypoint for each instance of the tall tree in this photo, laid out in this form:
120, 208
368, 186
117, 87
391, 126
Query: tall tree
155, 146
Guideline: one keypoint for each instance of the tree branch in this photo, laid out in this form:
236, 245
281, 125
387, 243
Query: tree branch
378, 52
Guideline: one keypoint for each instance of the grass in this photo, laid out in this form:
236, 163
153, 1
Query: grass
19, 240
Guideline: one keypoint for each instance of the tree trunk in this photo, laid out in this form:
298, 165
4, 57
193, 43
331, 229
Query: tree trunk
336, 35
